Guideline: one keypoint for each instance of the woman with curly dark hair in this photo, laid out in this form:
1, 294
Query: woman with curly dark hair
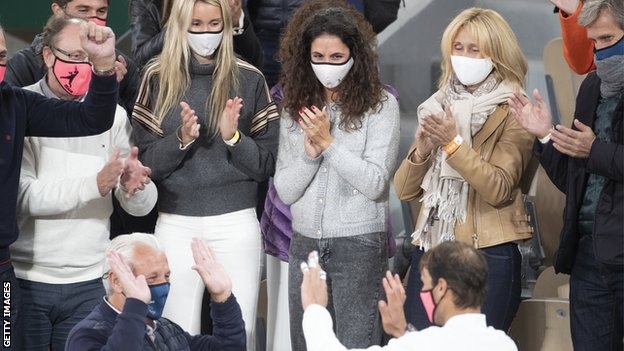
339, 138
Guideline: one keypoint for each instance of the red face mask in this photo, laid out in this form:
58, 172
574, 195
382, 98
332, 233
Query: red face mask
99, 21
74, 77
2, 71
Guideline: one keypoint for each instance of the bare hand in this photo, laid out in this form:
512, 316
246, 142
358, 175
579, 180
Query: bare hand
315, 124
131, 286
440, 128
211, 271
392, 315
573, 143
567, 6
312, 150
99, 44
236, 8
189, 130
535, 119
120, 68
229, 118
314, 286
135, 176
424, 145
108, 177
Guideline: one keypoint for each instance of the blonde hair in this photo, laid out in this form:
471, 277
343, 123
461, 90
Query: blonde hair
171, 67
495, 39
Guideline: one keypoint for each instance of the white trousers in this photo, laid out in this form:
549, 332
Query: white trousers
278, 316
235, 239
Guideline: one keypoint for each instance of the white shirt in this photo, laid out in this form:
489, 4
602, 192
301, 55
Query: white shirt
63, 220
465, 332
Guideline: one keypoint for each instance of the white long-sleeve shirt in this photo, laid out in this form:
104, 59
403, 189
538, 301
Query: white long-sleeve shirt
466, 332
63, 219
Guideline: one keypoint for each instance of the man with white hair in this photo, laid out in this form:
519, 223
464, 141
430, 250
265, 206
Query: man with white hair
136, 279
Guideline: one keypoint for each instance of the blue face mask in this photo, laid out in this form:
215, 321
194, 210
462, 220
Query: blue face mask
615, 49
159, 297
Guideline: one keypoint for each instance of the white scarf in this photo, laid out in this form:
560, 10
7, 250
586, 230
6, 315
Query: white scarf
445, 196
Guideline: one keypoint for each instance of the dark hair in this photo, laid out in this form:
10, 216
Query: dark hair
361, 91
52, 29
464, 269
63, 3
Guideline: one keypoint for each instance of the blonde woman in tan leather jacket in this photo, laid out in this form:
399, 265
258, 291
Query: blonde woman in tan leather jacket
467, 160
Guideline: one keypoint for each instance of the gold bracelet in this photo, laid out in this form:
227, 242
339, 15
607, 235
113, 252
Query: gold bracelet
421, 157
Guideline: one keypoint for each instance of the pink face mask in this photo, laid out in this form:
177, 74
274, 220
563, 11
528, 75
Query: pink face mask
74, 77
99, 21
426, 296
2, 71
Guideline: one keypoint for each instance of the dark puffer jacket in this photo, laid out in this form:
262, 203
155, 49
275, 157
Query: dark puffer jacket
104, 329
272, 15
148, 34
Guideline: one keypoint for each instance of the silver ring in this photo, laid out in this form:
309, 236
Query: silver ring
323, 275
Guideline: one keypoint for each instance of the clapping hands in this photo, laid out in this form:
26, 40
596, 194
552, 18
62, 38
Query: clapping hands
315, 124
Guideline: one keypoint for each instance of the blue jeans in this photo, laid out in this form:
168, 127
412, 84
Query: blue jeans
355, 266
11, 300
50, 311
595, 301
503, 287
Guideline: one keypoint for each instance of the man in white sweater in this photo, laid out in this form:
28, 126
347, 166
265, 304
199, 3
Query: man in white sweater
64, 201
454, 277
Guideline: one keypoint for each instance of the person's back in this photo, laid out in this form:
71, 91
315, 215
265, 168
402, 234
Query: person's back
454, 276
466, 332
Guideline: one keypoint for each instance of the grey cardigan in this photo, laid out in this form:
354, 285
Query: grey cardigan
344, 191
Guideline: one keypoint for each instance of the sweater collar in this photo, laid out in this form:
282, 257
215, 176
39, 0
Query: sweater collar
45, 88
198, 68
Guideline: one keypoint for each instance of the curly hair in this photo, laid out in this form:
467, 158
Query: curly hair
361, 91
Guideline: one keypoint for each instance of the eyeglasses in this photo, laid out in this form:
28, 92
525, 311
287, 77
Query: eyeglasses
78, 56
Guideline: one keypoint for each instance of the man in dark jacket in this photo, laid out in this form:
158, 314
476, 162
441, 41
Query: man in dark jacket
26, 68
586, 162
24, 113
129, 317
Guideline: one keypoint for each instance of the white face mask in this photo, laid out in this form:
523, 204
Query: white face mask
471, 71
330, 74
204, 43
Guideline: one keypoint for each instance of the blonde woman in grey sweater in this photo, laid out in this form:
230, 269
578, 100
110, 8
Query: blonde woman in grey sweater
205, 123
339, 137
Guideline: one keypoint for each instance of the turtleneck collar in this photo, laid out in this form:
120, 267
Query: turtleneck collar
198, 68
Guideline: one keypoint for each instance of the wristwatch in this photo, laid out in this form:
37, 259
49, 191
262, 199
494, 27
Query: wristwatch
104, 73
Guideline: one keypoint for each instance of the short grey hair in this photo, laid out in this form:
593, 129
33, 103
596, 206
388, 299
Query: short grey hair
592, 9
125, 245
